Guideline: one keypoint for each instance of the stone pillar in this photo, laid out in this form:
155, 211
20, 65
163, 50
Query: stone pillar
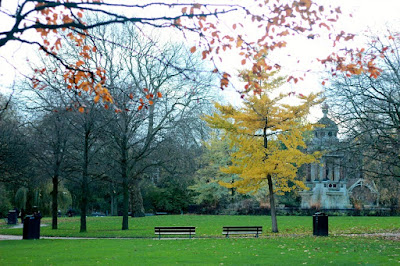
313, 171
328, 171
322, 170
337, 170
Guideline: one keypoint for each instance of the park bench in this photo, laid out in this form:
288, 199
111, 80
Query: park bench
241, 230
174, 230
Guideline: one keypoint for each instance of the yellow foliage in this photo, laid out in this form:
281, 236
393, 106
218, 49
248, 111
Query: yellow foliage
284, 127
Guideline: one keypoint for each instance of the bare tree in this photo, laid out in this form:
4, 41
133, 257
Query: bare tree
51, 145
70, 132
177, 86
14, 158
4, 104
368, 110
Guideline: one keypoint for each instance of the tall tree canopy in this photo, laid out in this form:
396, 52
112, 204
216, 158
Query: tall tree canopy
267, 137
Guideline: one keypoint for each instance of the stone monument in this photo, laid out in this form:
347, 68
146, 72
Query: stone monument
326, 179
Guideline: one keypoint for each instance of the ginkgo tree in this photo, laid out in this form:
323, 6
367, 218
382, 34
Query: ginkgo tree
266, 136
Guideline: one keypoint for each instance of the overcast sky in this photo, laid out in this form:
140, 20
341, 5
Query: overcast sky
375, 15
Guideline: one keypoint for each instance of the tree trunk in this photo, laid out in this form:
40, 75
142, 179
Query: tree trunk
137, 200
54, 205
125, 188
272, 202
125, 206
85, 184
113, 204
84, 203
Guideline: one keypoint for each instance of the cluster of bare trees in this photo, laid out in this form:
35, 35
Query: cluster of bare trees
113, 148
368, 110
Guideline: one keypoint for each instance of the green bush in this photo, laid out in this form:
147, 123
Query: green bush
171, 199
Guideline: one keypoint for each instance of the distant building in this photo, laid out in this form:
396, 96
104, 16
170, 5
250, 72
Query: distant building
332, 181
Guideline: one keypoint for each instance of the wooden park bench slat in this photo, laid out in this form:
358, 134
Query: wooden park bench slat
236, 230
174, 230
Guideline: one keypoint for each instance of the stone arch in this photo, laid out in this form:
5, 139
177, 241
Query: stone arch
363, 184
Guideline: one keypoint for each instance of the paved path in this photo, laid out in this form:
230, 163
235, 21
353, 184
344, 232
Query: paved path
14, 237
10, 237
391, 236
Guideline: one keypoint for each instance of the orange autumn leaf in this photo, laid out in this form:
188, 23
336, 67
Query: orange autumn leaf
239, 42
193, 49
159, 94
81, 109
151, 102
79, 63
306, 3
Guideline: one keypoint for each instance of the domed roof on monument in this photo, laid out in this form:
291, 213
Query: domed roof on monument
325, 135
327, 122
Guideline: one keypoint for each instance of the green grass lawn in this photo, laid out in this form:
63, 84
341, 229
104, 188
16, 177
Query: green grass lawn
233, 251
210, 225
293, 245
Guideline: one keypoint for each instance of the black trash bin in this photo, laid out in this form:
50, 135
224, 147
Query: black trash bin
31, 228
12, 217
320, 224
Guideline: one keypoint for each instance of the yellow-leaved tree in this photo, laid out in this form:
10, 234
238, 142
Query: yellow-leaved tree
266, 135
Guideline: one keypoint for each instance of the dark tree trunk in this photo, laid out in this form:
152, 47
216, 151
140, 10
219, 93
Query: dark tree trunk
272, 202
113, 204
54, 205
125, 206
270, 184
125, 188
85, 184
137, 200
